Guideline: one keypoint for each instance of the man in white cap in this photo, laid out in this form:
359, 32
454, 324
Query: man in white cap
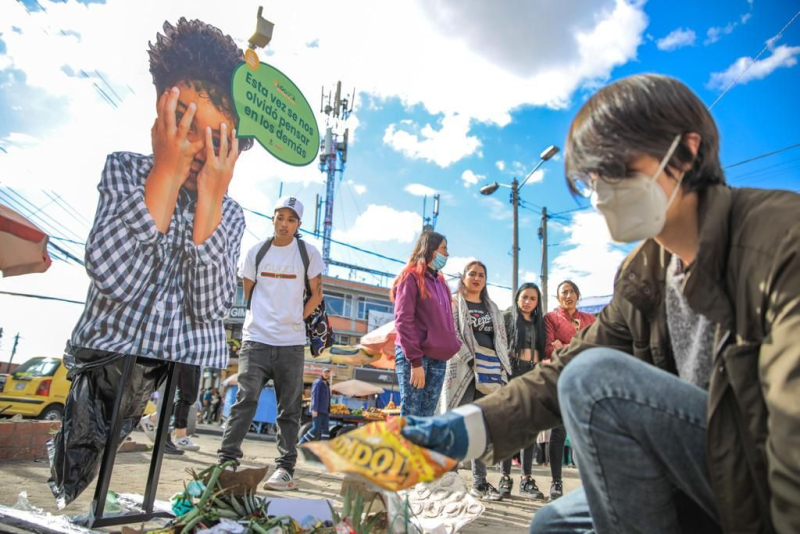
274, 336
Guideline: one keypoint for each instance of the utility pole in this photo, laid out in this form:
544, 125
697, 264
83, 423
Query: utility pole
13, 352
543, 230
515, 187
515, 240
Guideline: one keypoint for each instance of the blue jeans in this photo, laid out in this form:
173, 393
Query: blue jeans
422, 401
320, 427
639, 436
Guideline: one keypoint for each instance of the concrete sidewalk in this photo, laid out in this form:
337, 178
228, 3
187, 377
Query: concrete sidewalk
130, 475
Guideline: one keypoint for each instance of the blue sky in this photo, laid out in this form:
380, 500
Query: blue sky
451, 95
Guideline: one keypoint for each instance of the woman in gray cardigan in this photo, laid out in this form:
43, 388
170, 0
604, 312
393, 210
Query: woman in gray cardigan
482, 364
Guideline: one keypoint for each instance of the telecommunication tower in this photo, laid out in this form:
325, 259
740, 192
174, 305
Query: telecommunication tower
333, 153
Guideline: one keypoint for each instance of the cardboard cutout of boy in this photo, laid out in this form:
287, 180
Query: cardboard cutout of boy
162, 252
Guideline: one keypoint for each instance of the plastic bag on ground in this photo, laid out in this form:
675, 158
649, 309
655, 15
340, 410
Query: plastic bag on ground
76, 451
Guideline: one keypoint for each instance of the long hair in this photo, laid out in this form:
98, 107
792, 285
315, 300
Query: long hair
516, 337
462, 288
420, 257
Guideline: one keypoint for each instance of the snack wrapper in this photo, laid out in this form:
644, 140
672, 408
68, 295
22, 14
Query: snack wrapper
380, 454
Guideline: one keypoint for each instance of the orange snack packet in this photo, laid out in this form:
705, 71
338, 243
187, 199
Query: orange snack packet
379, 453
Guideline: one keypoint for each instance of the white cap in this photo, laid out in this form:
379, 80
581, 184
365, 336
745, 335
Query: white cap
292, 203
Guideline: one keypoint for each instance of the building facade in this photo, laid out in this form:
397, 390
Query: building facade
354, 308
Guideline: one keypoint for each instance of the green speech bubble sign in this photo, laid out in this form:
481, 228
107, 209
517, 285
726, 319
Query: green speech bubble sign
272, 109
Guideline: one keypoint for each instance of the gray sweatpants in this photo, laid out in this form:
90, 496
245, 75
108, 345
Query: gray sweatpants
259, 363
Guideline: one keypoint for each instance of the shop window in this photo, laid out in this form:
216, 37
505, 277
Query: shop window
339, 304
365, 304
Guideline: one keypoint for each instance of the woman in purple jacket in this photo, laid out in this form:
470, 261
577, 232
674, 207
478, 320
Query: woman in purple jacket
426, 334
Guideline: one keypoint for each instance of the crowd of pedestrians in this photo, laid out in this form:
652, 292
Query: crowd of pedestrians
491, 348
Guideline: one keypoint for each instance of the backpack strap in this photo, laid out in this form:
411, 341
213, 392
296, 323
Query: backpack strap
259, 256
306, 262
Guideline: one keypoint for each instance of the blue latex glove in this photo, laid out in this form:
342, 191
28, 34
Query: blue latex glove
459, 434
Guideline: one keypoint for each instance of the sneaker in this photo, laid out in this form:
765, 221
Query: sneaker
556, 490
230, 467
148, 428
170, 448
486, 492
506, 484
186, 444
528, 488
281, 480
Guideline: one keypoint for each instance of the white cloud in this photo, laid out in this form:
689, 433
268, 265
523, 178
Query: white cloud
715, 33
16, 138
530, 276
677, 38
781, 57
469, 178
538, 176
498, 210
420, 190
383, 223
358, 188
443, 146
501, 165
592, 261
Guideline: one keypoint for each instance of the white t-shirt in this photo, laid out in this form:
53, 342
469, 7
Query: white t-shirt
275, 316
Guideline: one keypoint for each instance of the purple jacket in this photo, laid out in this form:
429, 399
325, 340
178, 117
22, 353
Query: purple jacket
425, 327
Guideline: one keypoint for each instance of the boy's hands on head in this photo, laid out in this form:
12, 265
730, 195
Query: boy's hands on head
173, 152
217, 171
213, 181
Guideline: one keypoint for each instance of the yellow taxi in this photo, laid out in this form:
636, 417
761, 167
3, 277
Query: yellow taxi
37, 388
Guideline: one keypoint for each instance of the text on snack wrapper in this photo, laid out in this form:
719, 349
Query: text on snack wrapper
380, 460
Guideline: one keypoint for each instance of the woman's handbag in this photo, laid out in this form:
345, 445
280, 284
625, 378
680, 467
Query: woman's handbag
489, 373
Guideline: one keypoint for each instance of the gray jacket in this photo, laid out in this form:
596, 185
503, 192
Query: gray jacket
459, 373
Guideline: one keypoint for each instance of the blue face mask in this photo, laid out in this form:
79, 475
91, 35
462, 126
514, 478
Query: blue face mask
439, 262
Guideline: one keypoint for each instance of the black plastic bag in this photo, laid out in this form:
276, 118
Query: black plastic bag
76, 451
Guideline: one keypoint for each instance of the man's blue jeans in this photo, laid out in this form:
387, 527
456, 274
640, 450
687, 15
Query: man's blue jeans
422, 401
639, 437
319, 429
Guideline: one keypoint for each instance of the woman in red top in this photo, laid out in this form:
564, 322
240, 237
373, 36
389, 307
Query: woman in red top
562, 324
560, 327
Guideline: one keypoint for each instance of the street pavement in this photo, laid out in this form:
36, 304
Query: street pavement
130, 475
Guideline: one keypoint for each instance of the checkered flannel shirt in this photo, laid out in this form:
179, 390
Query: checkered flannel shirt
152, 294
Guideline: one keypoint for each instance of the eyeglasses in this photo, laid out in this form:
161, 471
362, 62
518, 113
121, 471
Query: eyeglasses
583, 183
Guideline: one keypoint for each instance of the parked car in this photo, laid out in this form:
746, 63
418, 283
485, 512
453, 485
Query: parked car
37, 388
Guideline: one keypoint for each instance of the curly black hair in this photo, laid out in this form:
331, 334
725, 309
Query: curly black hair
202, 57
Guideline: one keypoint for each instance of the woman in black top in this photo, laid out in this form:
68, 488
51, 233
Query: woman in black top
524, 322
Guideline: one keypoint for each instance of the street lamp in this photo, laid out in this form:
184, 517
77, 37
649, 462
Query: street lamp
515, 187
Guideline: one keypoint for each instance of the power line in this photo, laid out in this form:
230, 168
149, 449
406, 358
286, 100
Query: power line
314, 234
753, 61
68, 208
33, 211
365, 251
41, 297
581, 208
762, 156
66, 253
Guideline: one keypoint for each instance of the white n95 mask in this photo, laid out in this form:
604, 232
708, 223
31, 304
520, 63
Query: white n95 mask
635, 207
